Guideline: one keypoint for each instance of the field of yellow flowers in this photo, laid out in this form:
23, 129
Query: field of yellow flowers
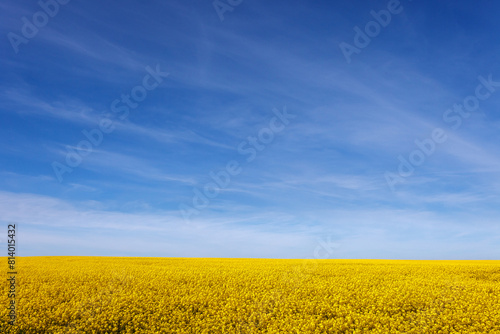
182, 295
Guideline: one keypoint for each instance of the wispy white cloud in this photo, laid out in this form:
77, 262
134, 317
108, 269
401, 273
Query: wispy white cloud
358, 233
113, 162
24, 102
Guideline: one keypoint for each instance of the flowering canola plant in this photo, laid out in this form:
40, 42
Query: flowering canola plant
208, 295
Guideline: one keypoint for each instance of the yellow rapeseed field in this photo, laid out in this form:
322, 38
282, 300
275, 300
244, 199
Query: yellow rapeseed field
180, 295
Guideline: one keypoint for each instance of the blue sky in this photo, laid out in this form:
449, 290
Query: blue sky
306, 139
